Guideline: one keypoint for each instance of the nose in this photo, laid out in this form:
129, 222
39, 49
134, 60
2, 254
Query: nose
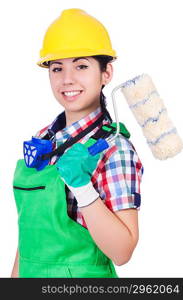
67, 77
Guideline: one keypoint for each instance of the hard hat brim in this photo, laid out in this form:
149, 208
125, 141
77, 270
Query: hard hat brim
69, 53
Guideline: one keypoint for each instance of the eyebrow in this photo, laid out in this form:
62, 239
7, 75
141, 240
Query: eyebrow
74, 60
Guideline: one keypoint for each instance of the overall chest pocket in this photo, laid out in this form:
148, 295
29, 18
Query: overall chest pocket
42, 187
30, 202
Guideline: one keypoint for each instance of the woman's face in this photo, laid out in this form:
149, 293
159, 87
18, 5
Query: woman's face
76, 83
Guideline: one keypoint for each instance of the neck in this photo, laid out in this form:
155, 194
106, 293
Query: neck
72, 116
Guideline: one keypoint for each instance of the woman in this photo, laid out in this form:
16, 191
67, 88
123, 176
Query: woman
80, 213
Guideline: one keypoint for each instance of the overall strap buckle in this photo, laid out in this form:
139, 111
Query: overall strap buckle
112, 129
106, 130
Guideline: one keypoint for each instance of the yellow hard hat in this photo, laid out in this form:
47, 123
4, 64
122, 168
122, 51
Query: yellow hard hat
75, 34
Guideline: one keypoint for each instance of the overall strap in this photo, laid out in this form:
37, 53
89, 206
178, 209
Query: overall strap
106, 130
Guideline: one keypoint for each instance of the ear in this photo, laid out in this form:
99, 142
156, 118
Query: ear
107, 74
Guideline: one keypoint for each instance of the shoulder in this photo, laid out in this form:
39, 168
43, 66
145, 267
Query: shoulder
123, 144
121, 154
120, 146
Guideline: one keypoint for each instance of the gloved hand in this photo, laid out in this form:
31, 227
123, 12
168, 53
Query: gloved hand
75, 168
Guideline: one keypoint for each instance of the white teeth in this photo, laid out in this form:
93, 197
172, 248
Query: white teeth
70, 94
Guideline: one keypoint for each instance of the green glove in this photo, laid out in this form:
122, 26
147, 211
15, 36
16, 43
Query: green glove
75, 168
77, 165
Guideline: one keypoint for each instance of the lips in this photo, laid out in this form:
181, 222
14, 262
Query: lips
71, 95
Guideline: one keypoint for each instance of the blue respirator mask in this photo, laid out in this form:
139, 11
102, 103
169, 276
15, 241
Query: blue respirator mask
38, 152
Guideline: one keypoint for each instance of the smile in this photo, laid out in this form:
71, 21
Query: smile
71, 95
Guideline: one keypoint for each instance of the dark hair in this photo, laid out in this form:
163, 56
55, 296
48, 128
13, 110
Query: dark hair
103, 60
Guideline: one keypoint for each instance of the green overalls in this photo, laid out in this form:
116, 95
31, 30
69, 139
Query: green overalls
51, 244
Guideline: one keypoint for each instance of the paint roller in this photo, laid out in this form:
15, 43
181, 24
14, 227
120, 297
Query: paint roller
152, 116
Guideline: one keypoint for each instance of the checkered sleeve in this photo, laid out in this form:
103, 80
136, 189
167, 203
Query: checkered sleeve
120, 175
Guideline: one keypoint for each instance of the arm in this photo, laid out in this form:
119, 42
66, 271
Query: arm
116, 234
119, 242
14, 273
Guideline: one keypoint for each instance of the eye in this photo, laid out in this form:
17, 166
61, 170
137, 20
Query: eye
56, 69
82, 67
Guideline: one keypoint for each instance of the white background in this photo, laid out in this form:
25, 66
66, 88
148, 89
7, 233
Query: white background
147, 35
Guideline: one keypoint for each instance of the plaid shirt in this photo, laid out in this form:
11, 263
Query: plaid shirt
118, 174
